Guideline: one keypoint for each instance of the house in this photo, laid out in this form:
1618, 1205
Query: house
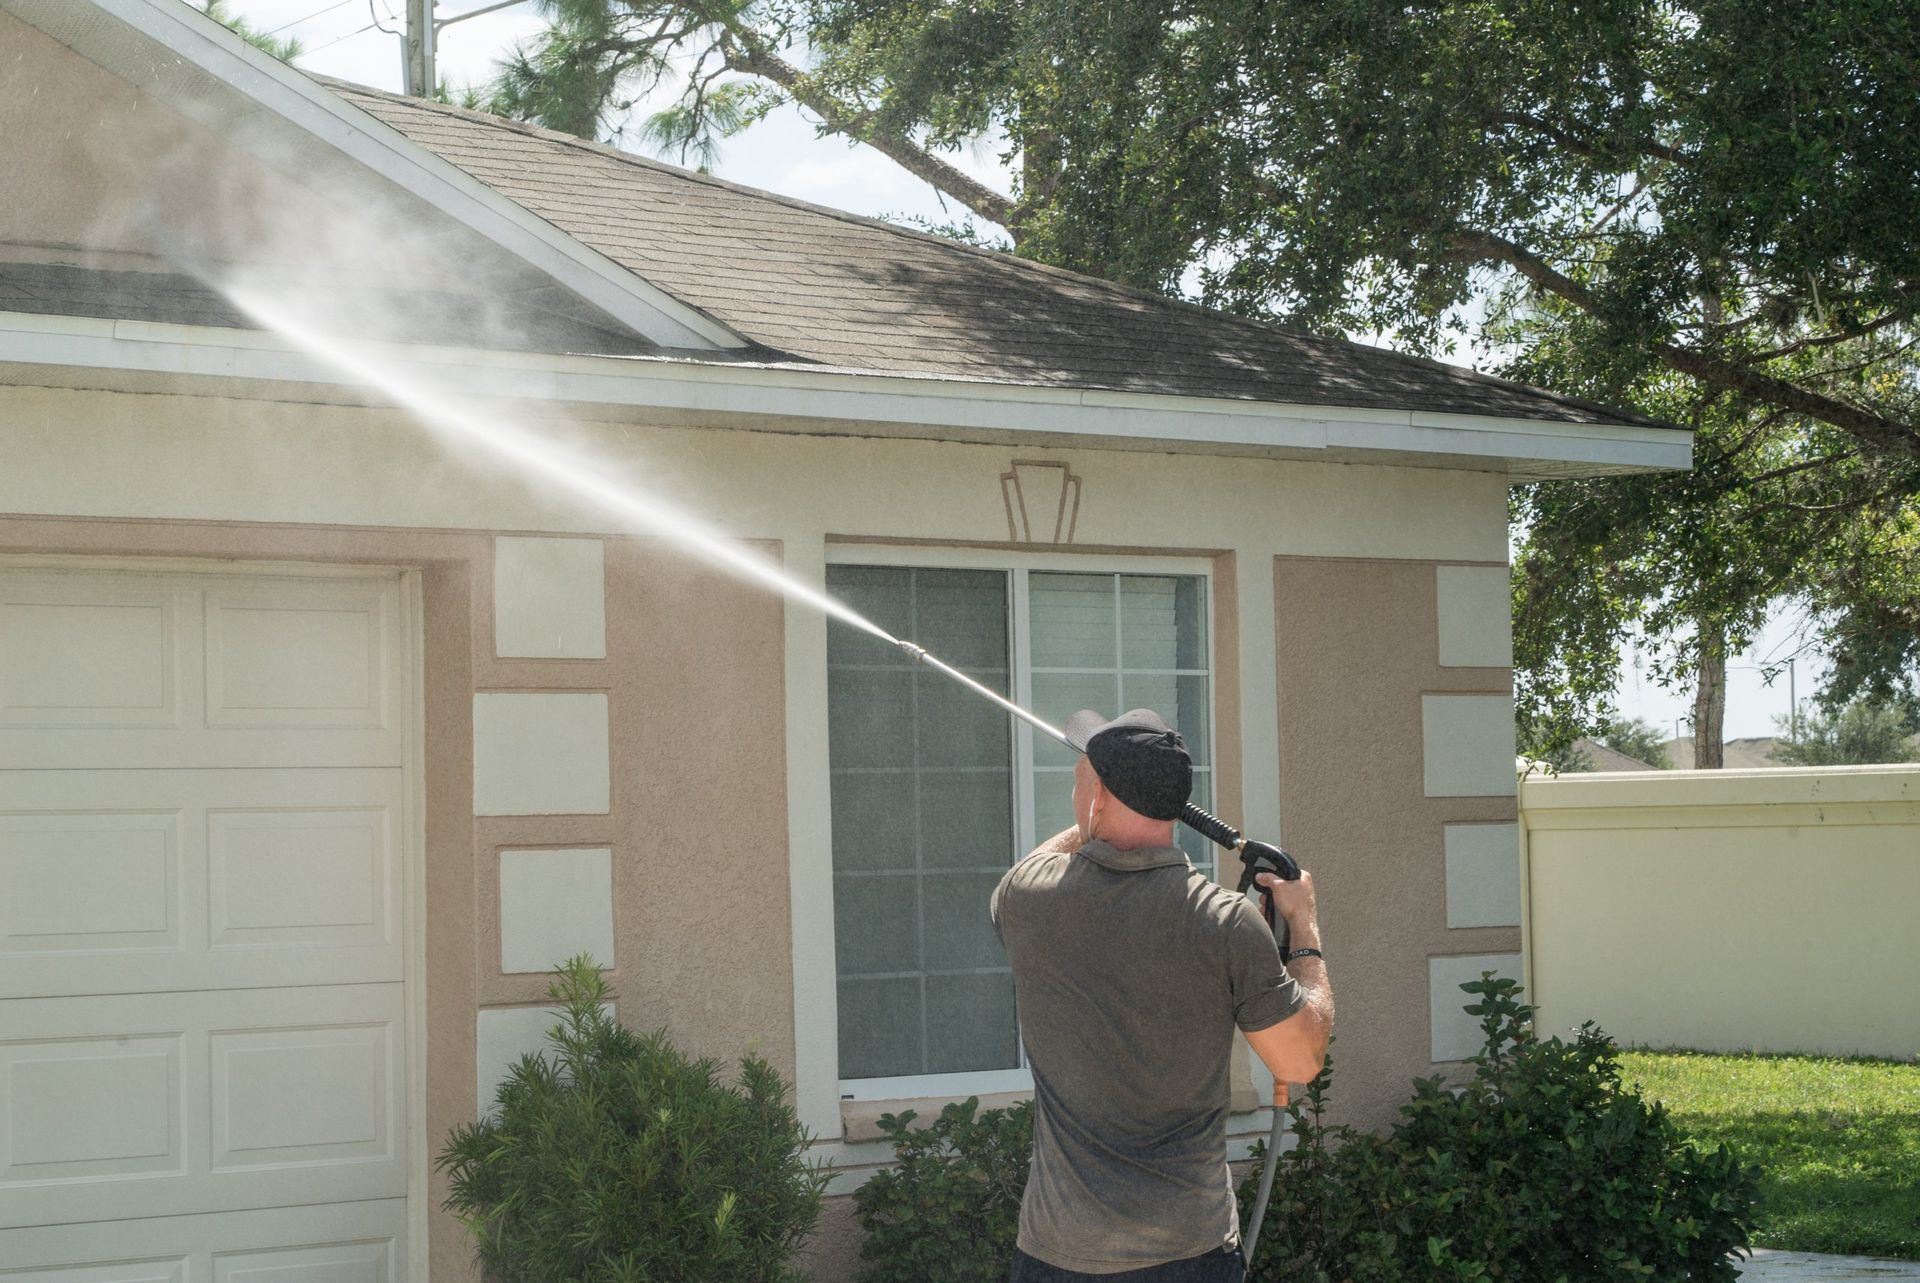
1739, 754
323, 735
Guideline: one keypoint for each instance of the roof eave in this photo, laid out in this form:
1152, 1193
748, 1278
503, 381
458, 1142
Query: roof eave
144, 356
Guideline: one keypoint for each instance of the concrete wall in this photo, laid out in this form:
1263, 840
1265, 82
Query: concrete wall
1767, 910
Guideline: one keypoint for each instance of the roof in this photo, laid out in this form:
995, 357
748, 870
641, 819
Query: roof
1611, 759
415, 316
1737, 754
822, 286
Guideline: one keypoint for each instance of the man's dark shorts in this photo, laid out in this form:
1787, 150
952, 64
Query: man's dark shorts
1223, 1266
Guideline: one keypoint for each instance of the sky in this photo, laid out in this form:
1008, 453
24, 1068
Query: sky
783, 154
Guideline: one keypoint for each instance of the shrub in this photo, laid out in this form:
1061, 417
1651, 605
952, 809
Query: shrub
949, 1211
1543, 1168
616, 1159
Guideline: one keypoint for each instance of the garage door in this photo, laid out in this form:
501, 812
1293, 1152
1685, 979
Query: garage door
203, 827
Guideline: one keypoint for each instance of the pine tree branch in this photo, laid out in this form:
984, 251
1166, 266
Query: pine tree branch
749, 54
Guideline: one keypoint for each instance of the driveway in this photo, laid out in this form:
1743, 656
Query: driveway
1768, 1266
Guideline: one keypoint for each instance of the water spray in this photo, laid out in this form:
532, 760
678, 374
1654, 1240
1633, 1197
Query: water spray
1255, 858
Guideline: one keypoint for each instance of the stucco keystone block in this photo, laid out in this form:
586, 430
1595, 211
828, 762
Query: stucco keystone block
1467, 744
1456, 1035
555, 904
1475, 614
1483, 875
540, 754
502, 1036
549, 598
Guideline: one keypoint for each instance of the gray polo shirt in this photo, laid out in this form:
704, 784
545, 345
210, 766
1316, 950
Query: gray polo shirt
1131, 971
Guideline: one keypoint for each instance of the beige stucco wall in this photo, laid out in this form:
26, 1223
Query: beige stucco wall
1766, 910
1325, 598
1358, 650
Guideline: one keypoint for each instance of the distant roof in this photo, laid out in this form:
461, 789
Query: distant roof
1736, 754
818, 285
1612, 759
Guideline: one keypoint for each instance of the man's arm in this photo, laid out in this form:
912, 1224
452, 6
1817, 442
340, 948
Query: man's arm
1296, 1048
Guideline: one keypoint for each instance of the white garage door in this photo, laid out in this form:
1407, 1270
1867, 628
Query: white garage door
203, 827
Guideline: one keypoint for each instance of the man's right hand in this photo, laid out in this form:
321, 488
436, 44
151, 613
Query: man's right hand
1293, 904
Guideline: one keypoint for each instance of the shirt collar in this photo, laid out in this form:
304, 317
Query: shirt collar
1141, 858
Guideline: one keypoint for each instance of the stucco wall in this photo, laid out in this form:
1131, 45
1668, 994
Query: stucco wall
716, 696
1766, 910
1367, 799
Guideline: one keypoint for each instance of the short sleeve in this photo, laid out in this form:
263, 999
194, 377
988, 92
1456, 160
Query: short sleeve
1263, 993
993, 903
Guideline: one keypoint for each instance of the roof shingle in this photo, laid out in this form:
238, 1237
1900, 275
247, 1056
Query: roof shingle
819, 285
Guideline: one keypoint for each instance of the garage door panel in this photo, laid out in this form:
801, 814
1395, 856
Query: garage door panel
103, 655
117, 670
298, 655
302, 1101
255, 878
82, 882
357, 1242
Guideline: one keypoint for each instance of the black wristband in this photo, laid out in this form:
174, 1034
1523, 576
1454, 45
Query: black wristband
1290, 954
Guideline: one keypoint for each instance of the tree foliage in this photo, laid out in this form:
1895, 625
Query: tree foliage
1858, 733
1705, 210
286, 49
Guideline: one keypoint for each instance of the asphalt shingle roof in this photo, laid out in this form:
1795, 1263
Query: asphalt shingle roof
411, 316
819, 285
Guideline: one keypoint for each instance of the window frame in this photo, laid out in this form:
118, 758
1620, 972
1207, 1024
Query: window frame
1018, 566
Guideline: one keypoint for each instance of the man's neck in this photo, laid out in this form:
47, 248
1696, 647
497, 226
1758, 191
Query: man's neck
1151, 837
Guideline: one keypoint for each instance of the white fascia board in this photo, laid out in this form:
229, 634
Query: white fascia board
314, 110
841, 400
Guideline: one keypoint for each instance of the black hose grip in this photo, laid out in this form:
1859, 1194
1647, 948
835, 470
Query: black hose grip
1211, 827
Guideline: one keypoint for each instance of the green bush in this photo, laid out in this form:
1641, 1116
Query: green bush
949, 1211
615, 1159
1543, 1168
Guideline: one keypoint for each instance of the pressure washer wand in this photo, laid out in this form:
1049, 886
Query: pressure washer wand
1255, 858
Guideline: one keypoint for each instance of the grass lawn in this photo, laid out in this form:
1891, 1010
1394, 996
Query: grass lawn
1839, 1141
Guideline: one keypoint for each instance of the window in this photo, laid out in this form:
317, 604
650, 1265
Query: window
935, 791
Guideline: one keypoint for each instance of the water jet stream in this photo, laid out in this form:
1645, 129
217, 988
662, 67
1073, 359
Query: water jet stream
518, 446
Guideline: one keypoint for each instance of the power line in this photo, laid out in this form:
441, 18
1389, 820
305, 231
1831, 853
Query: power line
350, 35
338, 4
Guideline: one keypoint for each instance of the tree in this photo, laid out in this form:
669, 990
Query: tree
1702, 209
1639, 739
1860, 732
286, 50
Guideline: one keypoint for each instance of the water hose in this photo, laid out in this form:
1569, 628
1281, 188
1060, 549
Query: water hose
1255, 858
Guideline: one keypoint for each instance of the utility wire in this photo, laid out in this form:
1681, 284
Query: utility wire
376, 19
350, 35
338, 4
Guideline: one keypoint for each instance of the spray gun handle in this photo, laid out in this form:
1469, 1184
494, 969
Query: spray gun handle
1263, 857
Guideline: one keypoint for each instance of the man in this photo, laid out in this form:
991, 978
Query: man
1132, 971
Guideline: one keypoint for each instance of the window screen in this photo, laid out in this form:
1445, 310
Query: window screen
922, 779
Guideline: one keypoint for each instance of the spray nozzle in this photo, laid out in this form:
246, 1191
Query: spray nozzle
916, 653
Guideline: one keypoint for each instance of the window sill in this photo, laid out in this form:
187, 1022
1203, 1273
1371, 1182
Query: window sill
860, 1119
